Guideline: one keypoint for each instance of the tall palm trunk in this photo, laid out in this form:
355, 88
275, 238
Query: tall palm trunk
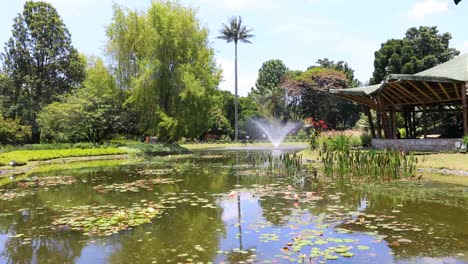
236, 107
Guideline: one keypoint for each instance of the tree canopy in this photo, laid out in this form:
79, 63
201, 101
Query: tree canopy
164, 57
420, 49
41, 62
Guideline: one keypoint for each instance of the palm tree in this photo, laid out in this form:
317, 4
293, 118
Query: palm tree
235, 31
271, 101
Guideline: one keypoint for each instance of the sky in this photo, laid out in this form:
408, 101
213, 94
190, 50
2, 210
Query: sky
299, 32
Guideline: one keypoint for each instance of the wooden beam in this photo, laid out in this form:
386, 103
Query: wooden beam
403, 90
432, 102
456, 90
465, 108
379, 118
425, 121
420, 91
394, 124
367, 110
358, 100
395, 94
390, 101
432, 90
443, 89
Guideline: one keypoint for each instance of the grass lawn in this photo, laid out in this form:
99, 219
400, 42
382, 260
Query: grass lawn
202, 146
21, 157
451, 161
454, 179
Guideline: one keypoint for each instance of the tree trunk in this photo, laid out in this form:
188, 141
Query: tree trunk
236, 107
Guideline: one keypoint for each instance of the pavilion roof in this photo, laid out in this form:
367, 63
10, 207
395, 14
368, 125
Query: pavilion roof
441, 84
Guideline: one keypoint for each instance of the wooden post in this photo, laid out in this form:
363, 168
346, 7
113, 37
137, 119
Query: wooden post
425, 121
465, 108
369, 118
379, 120
394, 124
407, 124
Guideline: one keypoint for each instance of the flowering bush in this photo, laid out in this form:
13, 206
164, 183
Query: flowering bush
315, 129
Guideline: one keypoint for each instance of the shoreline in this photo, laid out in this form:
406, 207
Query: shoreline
7, 171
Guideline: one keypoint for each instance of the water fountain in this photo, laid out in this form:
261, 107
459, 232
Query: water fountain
274, 130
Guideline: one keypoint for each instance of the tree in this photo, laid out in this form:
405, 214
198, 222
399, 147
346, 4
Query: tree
235, 32
270, 75
339, 66
310, 93
420, 49
163, 57
41, 61
92, 113
271, 101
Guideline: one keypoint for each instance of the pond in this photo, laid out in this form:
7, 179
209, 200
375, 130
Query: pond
212, 207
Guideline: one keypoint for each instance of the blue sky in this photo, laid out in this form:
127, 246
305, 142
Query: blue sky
296, 31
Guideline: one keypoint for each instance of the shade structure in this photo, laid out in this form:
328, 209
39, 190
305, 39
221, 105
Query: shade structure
441, 87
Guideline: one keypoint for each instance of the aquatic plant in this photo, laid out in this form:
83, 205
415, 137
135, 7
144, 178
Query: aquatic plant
368, 165
283, 165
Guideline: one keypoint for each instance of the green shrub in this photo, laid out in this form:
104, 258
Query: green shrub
23, 156
12, 132
366, 140
302, 135
465, 139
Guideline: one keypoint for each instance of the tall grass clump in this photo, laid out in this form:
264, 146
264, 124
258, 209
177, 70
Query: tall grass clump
369, 165
282, 165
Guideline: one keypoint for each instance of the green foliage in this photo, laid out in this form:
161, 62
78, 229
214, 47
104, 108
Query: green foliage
308, 94
164, 57
341, 66
420, 49
93, 113
23, 156
368, 165
81, 145
41, 62
366, 140
12, 132
465, 139
301, 135
270, 75
153, 149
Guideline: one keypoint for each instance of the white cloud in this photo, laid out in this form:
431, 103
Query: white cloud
424, 8
245, 79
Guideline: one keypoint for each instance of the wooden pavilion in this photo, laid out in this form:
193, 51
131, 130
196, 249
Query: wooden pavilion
440, 89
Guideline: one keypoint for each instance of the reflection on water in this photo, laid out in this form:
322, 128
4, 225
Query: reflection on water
254, 219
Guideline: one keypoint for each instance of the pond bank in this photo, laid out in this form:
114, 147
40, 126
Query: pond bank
7, 171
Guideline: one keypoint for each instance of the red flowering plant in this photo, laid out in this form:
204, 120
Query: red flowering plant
315, 129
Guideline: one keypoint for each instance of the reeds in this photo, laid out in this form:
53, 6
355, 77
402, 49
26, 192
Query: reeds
283, 165
369, 165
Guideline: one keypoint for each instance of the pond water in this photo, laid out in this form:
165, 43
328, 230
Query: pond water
211, 207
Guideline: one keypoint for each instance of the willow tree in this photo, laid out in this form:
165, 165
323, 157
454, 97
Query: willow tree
164, 58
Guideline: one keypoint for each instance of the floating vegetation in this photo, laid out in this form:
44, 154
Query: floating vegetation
155, 172
368, 165
47, 181
283, 165
9, 195
135, 186
106, 220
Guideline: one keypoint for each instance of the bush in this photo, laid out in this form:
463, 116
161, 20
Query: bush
366, 140
23, 156
302, 135
12, 132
